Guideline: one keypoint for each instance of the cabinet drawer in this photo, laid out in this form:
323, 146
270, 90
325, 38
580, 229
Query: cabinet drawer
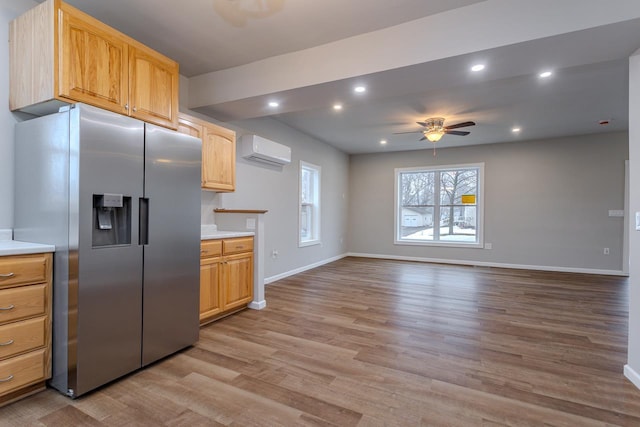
17, 270
209, 248
21, 302
18, 337
22, 370
234, 246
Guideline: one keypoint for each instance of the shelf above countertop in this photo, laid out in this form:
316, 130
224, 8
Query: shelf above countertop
15, 247
242, 211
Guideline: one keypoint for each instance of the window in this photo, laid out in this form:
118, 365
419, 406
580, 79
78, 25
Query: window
440, 205
309, 209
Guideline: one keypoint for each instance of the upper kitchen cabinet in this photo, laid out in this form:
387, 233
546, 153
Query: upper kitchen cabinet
218, 152
60, 55
153, 86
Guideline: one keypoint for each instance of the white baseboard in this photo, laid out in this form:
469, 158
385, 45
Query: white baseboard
257, 305
493, 264
632, 375
277, 277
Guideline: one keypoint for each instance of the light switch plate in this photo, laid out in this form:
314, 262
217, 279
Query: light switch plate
637, 221
251, 223
616, 213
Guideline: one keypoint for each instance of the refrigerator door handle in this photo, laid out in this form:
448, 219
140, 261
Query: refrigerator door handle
143, 237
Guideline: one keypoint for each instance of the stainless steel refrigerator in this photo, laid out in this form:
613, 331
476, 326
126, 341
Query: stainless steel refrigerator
120, 200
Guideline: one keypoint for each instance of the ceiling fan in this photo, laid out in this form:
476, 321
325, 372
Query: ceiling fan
434, 129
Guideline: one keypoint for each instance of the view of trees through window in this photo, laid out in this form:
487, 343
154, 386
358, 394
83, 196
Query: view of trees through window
438, 205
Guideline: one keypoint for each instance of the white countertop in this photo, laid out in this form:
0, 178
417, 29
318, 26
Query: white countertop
218, 234
210, 231
14, 247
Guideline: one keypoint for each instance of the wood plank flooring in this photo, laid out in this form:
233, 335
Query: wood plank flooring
362, 342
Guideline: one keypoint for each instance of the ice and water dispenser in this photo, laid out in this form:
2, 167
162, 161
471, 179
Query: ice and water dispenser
111, 220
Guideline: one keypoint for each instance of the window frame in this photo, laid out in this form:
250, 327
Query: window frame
315, 205
478, 244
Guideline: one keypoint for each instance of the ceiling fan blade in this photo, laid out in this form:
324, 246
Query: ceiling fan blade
460, 125
423, 138
422, 124
457, 132
413, 131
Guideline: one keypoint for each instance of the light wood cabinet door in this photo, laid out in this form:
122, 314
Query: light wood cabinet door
237, 282
93, 62
218, 159
218, 152
153, 81
210, 298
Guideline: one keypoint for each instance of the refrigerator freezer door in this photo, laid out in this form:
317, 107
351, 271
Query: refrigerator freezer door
105, 282
172, 252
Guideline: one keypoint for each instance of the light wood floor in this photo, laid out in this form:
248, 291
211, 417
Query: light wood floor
363, 342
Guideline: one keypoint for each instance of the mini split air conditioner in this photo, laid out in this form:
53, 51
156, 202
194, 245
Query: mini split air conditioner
259, 149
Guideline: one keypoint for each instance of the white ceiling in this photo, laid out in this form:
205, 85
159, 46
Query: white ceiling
222, 38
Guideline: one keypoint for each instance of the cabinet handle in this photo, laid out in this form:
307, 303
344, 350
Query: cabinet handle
11, 307
7, 275
7, 379
126, 106
135, 109
4, 344
239, 247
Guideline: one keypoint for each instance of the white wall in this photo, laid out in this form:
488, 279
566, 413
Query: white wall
9, 9
546, 202
632, 369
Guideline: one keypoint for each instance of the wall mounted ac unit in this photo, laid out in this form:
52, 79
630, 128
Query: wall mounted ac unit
259, 149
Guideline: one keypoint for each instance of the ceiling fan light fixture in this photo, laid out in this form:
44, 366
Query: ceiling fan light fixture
434, 129
434, 135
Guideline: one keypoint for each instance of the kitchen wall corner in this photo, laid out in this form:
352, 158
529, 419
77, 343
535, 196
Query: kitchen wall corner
208, 202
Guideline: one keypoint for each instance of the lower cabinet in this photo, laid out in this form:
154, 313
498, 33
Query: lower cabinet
226, 276
25, 324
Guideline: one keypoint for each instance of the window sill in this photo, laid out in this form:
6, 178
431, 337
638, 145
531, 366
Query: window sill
477, 245
309, 243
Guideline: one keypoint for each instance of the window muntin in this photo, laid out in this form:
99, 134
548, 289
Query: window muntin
439, 205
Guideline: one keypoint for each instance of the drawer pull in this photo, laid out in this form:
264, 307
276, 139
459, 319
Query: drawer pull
7, 379
240, 247
4, 344
10, 307
7, 275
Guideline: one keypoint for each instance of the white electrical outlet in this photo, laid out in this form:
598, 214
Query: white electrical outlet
251, 223
637, 221
488, 245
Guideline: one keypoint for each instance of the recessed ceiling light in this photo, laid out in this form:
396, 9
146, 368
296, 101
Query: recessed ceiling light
515, 129
545, 74
477, 67
383, 141
337, 107
360, 89
274, 104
